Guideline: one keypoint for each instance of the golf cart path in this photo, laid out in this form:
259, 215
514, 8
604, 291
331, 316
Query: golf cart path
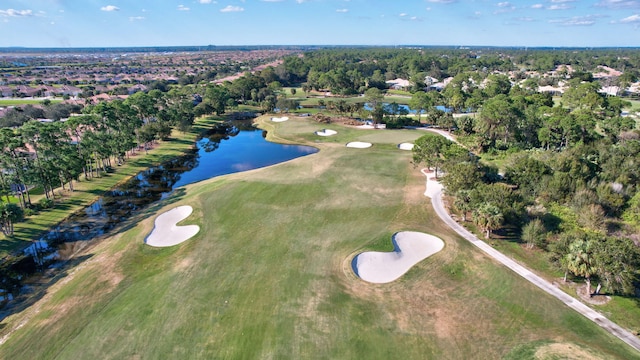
438, 205
543, 284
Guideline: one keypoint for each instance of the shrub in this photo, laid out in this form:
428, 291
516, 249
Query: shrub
46, 203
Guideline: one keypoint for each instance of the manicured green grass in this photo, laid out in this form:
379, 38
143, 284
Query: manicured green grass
86, 191
635, 104
18, 102
399, 92
269, 276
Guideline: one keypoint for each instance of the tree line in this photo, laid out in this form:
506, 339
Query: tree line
570, 186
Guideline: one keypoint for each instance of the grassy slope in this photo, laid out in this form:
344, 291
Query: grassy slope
87, 191
269, 276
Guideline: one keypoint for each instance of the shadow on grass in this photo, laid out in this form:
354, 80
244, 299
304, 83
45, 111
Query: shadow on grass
509, 234
38, 287
39, 283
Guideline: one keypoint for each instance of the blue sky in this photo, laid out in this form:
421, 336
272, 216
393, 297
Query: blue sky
103, 23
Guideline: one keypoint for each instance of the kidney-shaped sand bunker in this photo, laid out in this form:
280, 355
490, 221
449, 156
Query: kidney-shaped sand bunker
410, 247
165, 231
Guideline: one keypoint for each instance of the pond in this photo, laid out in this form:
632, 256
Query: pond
226, 149
407, 109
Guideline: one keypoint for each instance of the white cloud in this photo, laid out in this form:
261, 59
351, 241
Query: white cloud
301, 1
441, 1
136, 18
403, 14
110, 8
537, 6
183, 8
524, 19
207, 1
633, 19
342, 10
577, 20
230, 8
562, 1
272, 0
504, 7
16, 13
560, 7
619, 4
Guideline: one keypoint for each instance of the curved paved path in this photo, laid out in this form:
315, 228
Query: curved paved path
543, 284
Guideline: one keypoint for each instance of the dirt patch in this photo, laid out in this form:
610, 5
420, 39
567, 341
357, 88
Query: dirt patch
108, 277
184, 264
581, 290
414, 189
566, 351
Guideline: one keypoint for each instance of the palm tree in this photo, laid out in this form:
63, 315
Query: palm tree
463, 202
9, 214
488, 218
580, 262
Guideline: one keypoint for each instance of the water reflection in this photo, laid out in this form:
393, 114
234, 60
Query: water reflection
225, 149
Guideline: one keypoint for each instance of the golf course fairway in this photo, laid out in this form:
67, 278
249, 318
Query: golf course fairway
269, 275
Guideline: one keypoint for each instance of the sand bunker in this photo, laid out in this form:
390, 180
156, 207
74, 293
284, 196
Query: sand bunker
326, 132
410, 248
405, 146
359, 145
167, 233
377, 126
279, 119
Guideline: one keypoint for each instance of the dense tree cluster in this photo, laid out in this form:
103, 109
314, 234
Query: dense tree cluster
571, 186
55, 154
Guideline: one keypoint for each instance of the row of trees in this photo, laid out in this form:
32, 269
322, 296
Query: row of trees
48, 155
352, 71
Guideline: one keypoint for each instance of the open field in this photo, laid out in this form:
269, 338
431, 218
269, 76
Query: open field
18, 102
269, 275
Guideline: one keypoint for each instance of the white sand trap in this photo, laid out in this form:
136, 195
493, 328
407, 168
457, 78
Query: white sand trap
326, 132
167, 233
359, 145
279, 119
410, 247
406, 146
433, 186
377, 126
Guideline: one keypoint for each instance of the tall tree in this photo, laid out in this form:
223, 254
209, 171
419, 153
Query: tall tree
9, 215
579, 260
374, 97
617, 264
429, 149
488, 218
498, 119
420, 102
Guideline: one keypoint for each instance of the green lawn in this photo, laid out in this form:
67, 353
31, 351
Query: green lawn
18, 102
269, 275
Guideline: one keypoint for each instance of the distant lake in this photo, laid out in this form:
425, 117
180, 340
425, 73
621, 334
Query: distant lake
367, 106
